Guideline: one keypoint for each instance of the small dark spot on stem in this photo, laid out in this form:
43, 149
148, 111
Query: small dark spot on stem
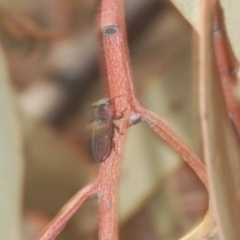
233, 69
215, 28
135, 118
94, 196
111, 29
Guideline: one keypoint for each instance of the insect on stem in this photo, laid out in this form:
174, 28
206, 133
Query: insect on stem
103, 130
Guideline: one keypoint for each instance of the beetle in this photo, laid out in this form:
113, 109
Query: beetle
103, 130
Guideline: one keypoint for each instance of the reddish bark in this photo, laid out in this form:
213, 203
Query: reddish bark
118, 82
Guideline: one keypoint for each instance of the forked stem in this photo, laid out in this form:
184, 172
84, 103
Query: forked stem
118, 82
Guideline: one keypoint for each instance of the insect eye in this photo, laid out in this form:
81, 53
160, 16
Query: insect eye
104, 112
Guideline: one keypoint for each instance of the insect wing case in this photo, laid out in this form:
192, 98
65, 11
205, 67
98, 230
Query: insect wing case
103, 131
102, 140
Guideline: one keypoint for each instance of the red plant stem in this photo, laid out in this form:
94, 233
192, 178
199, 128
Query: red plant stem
108, 180
166, 132
118, 83
115, 51
226, 63
116, 66
59, 222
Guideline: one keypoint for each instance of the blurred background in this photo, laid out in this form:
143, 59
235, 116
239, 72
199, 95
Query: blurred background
51, 54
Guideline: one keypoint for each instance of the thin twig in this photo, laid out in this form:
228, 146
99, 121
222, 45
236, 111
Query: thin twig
205, 81
204, 73
227, 64
165, 131
61, 219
